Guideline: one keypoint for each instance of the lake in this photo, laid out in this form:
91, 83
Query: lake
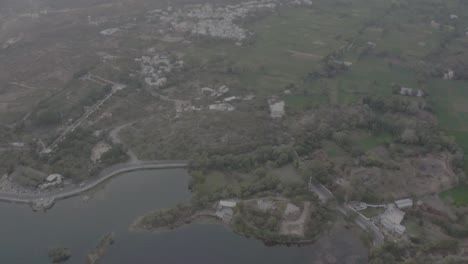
25, 236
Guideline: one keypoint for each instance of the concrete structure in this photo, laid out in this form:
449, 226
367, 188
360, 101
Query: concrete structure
391, 220
449, 75
51, 180
227, 204
265, 205
54, 177
276, 109
358, 206
404, 203
221, 107
411, 92
229, 99
225, 210
110, 31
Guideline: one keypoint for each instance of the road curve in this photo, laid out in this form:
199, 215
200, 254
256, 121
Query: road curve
105, 175
324, 195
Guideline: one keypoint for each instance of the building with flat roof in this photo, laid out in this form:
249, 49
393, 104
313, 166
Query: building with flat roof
54, 177
226, 203
404, 203
391, 219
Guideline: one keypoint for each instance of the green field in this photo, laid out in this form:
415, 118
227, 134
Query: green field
450, 99
280, 57
368, 142
458, 195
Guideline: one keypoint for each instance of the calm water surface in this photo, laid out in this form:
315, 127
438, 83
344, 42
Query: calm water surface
25, 235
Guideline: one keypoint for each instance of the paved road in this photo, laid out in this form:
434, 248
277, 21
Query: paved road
115, 88
378, 237
324, 195
103, 176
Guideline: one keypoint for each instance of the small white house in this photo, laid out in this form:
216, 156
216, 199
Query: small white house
404, 203
226, 204
225, 210
51, 180
54, 178
358, 206
276, 109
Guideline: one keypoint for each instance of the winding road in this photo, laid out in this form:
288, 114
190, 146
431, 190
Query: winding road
105, 175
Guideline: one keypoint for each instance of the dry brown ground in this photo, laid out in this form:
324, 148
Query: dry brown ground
416, 176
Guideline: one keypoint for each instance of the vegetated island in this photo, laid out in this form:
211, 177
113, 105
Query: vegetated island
274, 220
105, 242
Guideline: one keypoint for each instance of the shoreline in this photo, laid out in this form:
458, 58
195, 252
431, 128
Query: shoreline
48, 199
211, 219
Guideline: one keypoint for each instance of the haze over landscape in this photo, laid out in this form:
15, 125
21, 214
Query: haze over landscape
234, 131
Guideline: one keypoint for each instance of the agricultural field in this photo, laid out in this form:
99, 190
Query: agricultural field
368, 98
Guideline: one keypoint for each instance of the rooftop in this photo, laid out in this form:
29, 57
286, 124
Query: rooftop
225, 203
404, 203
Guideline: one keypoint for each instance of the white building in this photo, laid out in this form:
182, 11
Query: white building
404, 203
391, 220
221, 107
226, 204
449, 75
110, 31
411, 92
225, 210
51, 180
358, 206
229, 99
54, 178
277, 109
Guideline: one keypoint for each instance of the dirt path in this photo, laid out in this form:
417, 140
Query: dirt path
114, 135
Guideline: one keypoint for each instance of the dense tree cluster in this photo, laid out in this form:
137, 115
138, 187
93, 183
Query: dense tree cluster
278, 156
166, 218
256, 222
59, 254
393, 253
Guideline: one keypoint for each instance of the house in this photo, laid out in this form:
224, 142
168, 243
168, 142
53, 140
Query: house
226, 204
54, 178
276, 109
358, 206
221, 107
51, 180
229, 99
404, 203
225, 210
449, 75
411, 92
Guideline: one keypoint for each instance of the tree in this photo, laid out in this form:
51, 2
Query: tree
59, 254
